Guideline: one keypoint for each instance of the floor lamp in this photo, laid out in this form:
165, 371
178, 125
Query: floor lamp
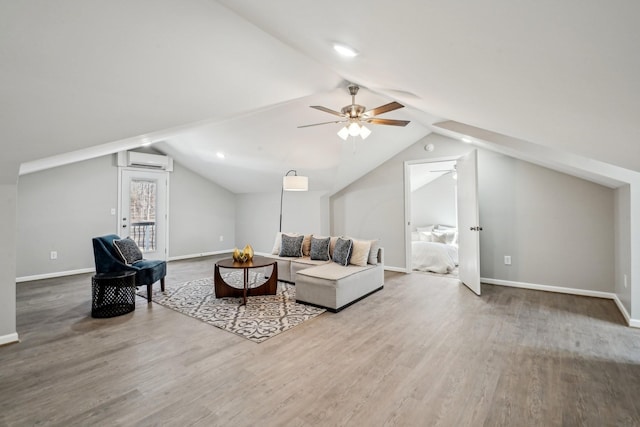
292, 183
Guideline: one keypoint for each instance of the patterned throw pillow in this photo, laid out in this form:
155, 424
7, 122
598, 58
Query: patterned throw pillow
291, 246
342, 251
320, 249
128, 250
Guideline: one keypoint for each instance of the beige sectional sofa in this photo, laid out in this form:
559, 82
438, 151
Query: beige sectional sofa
331, 285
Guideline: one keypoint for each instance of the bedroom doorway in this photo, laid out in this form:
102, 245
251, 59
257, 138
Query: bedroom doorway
447, 233
432, 217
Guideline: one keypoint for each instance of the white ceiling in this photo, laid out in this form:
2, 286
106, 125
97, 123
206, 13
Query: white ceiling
237, 76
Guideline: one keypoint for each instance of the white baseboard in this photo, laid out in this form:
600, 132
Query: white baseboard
56, 274
571, 291
198, 255
10, 338
91, 270
547, 288
396, 269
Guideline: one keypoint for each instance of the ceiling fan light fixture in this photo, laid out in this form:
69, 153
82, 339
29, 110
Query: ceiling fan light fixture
344, 50
364, 132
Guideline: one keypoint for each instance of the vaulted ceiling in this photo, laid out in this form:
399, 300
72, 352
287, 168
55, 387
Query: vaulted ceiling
197, 77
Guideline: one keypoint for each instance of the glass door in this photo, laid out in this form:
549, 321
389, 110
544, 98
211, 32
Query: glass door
143, 210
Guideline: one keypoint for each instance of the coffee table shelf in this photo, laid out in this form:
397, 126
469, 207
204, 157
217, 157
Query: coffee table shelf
223, 289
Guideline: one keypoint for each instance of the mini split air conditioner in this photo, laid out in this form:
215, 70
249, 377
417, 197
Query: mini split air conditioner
145, 160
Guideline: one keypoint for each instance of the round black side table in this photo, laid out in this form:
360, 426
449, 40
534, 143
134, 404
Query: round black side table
113, 294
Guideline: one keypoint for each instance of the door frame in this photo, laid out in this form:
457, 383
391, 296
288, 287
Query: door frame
407, 201
167, 175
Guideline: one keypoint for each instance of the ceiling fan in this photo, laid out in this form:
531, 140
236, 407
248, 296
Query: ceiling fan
354, 116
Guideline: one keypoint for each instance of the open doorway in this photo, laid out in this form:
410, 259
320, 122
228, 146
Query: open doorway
433, 217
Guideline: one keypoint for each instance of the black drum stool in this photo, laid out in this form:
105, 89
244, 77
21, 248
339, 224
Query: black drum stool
113, 294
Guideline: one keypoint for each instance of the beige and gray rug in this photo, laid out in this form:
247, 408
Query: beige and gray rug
262, 318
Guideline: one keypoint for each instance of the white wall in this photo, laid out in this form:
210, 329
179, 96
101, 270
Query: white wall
8, 205
61, 209
434, 203
623, 246
558, 229
199, 213
373, 206
258, 216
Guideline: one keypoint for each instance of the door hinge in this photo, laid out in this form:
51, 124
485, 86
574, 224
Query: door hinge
475, 228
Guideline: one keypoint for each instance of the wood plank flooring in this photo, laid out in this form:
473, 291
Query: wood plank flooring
424, 351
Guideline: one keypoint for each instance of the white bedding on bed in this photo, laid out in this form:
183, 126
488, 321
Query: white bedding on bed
433, 256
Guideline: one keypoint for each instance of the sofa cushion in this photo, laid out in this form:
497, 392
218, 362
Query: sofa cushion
373, 252
342, 251
319, 249
360, 252
128, 250
332, 271
306, 244
291, 246
277, 244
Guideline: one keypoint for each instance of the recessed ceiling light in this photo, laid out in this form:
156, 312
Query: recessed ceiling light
467, 140
220, 155
344, 50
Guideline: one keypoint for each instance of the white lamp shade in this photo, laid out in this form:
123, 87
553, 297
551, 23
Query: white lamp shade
364, 132
295, 183
344, 133
354, 129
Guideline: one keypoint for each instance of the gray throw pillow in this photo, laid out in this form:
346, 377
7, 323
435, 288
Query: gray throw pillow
320, 249
291, 246
342, 251
128, 250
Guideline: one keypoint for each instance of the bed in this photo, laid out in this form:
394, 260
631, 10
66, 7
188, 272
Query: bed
434, 250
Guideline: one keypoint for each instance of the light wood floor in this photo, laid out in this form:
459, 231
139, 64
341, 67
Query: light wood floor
424, 351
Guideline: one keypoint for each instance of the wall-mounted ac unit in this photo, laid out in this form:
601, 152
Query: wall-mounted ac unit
146, 160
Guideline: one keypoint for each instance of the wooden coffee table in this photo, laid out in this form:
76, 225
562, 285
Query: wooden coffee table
223, 289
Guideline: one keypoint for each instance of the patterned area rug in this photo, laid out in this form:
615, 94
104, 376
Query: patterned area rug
262, 318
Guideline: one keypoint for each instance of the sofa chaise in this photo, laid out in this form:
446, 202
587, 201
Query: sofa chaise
327, 283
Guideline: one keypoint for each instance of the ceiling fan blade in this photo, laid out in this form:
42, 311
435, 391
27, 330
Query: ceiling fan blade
383, 109
327, 110
323, 123
391, 122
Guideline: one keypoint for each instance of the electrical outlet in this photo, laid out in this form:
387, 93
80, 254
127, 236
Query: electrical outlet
222, 238
625, 281
53, 255
113, 211
507, 260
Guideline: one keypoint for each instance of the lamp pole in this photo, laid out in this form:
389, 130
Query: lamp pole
282, 195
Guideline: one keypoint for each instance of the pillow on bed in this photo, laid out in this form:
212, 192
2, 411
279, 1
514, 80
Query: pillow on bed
425, 236
448, 236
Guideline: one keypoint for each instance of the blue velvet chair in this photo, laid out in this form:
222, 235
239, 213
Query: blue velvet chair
108, 260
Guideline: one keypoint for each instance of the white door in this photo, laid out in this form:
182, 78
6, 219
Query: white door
468, 221
144, 210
